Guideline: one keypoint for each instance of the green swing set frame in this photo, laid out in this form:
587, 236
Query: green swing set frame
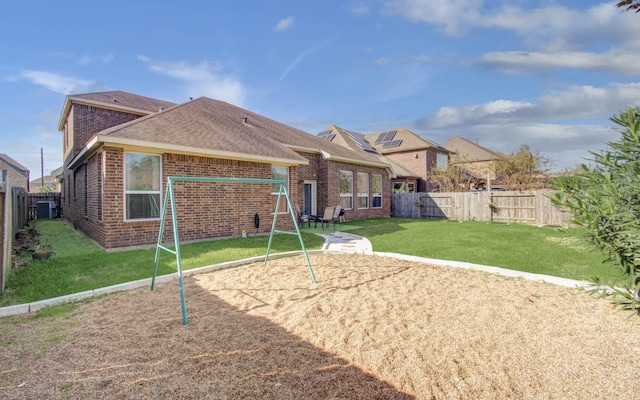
170, 198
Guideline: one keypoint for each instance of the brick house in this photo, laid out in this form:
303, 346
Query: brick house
479, 162
120, 148
14, 172
402, 179
411, 151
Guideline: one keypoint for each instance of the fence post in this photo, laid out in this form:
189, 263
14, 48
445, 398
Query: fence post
6, 233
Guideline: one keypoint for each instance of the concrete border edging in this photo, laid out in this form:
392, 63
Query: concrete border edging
121, 287
38, 305
493, 270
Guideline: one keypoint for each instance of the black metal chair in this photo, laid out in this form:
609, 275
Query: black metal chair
303, 217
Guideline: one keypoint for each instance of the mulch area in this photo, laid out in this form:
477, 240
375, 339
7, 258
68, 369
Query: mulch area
371, 328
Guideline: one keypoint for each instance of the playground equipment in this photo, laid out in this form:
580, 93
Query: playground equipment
170, 199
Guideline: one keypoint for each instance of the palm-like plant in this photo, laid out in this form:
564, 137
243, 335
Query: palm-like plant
630, 5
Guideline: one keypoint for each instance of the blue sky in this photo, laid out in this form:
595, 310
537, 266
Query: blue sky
544, 73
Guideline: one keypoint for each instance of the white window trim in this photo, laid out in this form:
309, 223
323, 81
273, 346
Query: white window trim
126, 192
347, 195
286, 184
375, 195
363, 195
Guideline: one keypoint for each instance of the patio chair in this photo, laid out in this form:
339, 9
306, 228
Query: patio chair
326, 218
303, 217
337, 212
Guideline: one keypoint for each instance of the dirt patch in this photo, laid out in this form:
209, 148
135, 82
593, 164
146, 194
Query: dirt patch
372, 327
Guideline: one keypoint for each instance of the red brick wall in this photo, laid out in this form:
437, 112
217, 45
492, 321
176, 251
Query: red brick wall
88, 120
421, 165
327, 175
417, 165
333, 190
204, 210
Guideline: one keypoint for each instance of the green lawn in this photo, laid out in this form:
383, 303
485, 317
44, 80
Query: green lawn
541, 250
78, 265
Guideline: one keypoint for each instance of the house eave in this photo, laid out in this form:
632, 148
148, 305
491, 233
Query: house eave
99, 140
328, 156
76, 100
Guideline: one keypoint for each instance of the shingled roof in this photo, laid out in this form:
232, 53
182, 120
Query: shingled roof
469, 151
117, 100
402, 140
218, 129
17, 166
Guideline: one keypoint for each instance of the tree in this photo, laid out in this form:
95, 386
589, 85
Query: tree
522, 170
630, 5
451, 179
604, 198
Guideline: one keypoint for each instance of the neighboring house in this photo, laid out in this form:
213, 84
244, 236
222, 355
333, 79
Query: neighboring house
16, 173
477, 161
412, 152
35, 186
402, 179
120, 148
52, 182
57, 175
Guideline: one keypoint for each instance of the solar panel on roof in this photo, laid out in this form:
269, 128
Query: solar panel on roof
385, 137
361, 141
392, 143
327, 135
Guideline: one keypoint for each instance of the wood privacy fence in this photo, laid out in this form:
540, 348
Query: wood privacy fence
52, 208
523, 207
14, 211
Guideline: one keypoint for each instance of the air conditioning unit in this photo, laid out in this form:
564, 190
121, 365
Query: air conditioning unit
45, 210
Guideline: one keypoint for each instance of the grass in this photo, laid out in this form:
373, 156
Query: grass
78, 265
540, 250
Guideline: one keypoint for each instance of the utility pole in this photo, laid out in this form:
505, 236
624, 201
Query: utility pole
42, 169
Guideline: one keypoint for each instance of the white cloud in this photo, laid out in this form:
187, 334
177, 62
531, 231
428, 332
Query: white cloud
454, 16
577, 102
564, 125
88, 59
567, 145
554, 26
284, 24
523, 62
57, 83
203, 79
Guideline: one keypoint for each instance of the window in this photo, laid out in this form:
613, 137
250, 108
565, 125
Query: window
346, 189
86, 190
142, 186
376, 190
411, 187
103, 166
442, 160
283, 174
363, 190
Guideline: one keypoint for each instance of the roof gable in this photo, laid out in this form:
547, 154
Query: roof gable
346, 138
116, 100
122, 99
469, 151
400, 140
10, 161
